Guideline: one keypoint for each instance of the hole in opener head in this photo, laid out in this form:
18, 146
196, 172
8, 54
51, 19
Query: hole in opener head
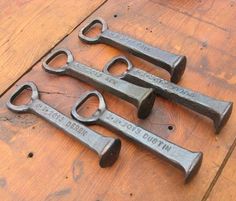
118, 68
24, 97
89, 107
58, 61
93, 31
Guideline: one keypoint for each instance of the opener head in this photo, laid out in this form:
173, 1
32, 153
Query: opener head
221, 120
177, 70
95, 116
121, 59
194, 168
63, 69
87, 27
19, 90
110, 154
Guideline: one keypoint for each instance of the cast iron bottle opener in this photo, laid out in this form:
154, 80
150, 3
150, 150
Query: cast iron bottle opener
217, 110
187, 161
107, 148
142, 98
174, 64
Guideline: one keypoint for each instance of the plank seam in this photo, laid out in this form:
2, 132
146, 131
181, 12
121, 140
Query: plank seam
38, 60
219, 172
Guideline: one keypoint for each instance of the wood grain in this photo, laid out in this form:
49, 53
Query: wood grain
62, 169
28, 29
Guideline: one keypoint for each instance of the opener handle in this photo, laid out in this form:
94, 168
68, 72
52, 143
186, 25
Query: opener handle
174, 64
142, 98
184, 159
106, 147
217, 110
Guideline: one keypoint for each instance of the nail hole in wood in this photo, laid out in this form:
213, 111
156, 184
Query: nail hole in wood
30, 155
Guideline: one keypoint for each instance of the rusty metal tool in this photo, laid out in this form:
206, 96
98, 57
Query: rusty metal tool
217, 110
174, 64
107, 148
142, 98
187, 161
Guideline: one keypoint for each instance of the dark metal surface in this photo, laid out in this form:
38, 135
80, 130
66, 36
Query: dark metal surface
187, 161
107, 148
142, 98
217, 110
174, 64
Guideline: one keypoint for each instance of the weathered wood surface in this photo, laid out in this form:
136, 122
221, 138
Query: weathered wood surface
28, 29
225, 188
62, 169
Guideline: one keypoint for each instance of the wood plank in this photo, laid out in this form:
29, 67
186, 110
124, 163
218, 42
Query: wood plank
28, 29
225, 188
206, 11
62, 169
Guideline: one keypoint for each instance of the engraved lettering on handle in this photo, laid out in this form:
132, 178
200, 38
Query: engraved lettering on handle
107, 148
142, 98
187, 161
217, 110
174, 64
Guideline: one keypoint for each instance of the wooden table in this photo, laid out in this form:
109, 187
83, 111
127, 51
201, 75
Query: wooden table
39, 162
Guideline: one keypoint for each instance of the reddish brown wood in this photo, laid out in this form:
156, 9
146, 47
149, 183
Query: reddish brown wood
225, 186
28, 29
63, 169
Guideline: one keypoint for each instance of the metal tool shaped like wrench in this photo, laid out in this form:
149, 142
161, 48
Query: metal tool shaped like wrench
217, 110
107, 148
187, 161
142, 98
174, 64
